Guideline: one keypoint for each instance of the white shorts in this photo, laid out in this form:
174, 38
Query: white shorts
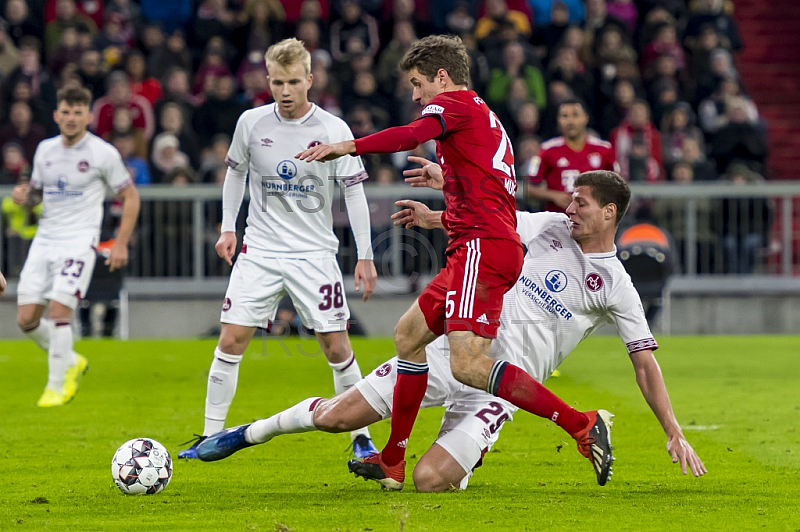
56, 272
258, 283
472, 418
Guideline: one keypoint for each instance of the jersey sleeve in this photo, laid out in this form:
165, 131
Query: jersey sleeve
238, 157
115, 173
532, 224
452, 114
36, 175
628, 315
349, 170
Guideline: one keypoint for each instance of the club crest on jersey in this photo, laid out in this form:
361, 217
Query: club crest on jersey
556, 245
287, 169
61, 181
562, 162
595, 160
266, 142
594, 282
313, 143
433, 110
83, 166
555, 280
383, 370
226, 304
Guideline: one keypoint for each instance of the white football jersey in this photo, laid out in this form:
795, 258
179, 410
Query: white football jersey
73, 180
562, 296
290, 200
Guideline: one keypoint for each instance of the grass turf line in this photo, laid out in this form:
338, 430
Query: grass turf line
54, 463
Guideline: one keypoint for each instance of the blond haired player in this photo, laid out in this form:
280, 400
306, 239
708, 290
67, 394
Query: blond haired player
70, 175
289, 244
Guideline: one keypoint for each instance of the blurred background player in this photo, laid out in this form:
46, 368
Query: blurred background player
289, 244
70, 174
562, 159
484, 254
473, 418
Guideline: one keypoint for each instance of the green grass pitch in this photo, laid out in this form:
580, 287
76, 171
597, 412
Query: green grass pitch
738, 399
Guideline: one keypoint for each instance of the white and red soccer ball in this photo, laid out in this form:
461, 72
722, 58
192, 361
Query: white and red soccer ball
141, 466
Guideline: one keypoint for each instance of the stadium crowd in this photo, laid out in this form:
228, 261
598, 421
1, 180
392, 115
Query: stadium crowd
170, 79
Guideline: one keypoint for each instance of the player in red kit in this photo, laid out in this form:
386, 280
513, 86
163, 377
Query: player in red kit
484, 256
562, 159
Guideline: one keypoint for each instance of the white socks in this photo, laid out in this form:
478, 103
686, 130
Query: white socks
299, 418
222, 379
345, 375
41, 334
59, 356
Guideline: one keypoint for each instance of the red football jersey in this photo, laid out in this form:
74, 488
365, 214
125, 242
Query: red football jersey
558, 165
477, 162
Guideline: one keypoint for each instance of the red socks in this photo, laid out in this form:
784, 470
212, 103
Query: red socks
409, 390
511, 383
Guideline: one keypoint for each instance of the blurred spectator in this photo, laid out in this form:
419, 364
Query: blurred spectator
166, 156
625, 11
91, 8
15, 165
220, 111
526, 148
21, 129
21, 22
678, 126
514, 67
557, 93
128, 10
386, 174
176, 89
637, 143
745, 222
174, 54
611, 47
497, 11
172, 120
30, 71
150, 38
260, 25
544, 10
310, 33
354, 33
399, 11
68, 51
478, 66
92, 74
120, 95
20, 223
700, 51
125, 143
712, 109
181, 176
9, 54
702, 168
617, 110
720, 67
739, 139
710, 12
213, 66
115, 39
254, 81
654, 19
135, 67
171, 15
664, 43
295, 10
461, 18
122, 124
526, 120
549, 33
663, 95
388, 70
364, 93
597, 22
564, 66
322, 93
213, 19
214, 158
66, 15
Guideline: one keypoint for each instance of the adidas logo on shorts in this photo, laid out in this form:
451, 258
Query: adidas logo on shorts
483, 319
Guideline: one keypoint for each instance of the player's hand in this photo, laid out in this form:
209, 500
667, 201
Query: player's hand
226, 246
680, 451
2, 284
20, 194
118, 258
327, 152
365, 271
430, 175
416, 214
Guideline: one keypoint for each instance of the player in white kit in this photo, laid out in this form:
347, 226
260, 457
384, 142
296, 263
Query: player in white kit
71, 173
571, 283
289, 244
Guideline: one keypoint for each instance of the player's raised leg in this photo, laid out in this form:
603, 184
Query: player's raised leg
346, 412
346, 372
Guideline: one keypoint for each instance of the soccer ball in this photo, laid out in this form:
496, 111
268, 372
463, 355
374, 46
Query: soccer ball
141, 466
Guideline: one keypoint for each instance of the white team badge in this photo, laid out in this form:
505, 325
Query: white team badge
433, 110
562, 162
595, 160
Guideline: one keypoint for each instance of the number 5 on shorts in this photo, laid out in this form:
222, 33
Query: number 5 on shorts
449, 304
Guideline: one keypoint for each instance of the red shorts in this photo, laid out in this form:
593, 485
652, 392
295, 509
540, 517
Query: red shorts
467, 295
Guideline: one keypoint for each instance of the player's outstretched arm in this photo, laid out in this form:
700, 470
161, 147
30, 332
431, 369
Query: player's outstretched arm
541, 192
654, 390
2, 284
428, 175
327, 152
417, 214
118, 257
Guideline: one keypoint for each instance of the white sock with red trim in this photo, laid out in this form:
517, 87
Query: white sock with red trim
294, 420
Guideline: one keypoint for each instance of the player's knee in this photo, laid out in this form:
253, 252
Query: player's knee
328, 418
429, 480
27, 321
